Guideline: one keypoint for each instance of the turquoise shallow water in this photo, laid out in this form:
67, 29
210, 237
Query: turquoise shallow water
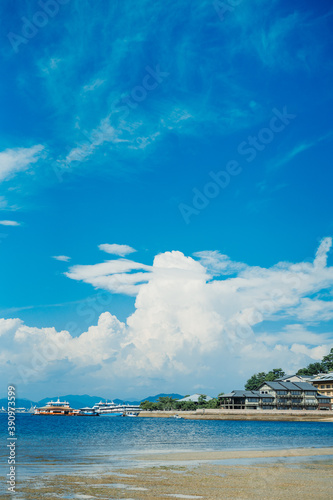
57, 444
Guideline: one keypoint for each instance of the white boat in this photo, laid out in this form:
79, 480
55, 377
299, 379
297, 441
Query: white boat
111, 409
108, 409
55, 408
128, 408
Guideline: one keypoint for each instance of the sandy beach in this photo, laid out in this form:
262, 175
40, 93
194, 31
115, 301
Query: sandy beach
268, 415
275, 474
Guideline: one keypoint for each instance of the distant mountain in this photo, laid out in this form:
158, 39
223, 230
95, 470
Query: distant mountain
76, 401
80, 401
153, 399
125, 401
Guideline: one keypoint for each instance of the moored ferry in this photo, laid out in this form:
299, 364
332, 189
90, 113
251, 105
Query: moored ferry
56, 408
111, 409
132, 410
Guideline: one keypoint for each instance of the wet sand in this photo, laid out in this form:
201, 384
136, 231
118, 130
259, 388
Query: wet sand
270, 474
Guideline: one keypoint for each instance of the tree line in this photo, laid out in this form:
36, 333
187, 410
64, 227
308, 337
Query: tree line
324, 366
166, 403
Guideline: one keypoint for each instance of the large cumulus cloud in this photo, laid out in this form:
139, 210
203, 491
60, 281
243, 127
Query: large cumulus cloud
199, 322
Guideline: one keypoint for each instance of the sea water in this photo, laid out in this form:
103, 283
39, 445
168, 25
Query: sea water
67, 443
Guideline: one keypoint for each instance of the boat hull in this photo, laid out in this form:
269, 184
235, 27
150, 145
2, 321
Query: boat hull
87, 414
110, 414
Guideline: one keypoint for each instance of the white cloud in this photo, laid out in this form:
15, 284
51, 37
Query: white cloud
104, 133
296, 334
321, 255
187, 328
300, 148
17, 160
315, 353
62, 258
114, 275
4, 205
219, 264
115, 249
9, 223
93, 85
313, 310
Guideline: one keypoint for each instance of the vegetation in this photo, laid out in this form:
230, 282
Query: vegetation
253, 384
311, 369
167, 403
327, 362
257, 379
325, 366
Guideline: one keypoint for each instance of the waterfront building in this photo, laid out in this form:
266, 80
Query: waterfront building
277, 396
246, 400
324, 384
291, 395
324, 402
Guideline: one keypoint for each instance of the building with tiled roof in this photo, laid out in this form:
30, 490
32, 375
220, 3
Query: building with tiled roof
277, 396
324, 384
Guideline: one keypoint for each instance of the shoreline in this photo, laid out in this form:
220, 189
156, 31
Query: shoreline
235, 454
199, 475
268, 415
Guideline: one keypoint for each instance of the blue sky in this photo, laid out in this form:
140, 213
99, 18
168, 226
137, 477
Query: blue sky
187, 132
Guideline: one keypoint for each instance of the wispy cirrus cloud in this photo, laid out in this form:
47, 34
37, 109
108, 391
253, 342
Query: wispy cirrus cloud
297, 150
89, 87
94, 113
17, 160
276, 39
106, 111
272, 42
133, 101
6, 206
